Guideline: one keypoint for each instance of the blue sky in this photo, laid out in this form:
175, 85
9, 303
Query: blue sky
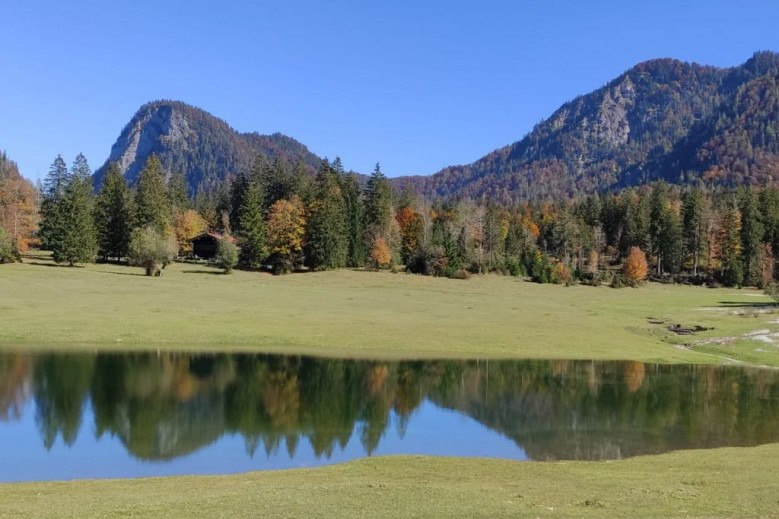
413, 84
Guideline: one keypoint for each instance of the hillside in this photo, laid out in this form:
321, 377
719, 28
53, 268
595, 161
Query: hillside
187, 139
662, 119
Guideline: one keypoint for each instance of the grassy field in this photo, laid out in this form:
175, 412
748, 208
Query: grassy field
369, 314
357, 313
715, 483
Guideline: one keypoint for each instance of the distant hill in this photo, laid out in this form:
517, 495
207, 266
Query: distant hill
662, 119
189, 140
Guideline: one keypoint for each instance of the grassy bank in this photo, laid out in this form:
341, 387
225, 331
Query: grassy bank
714, 483
371, 314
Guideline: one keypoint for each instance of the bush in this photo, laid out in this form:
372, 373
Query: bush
461, 274
430, 261
618, 281
152, 250
227, 255
515, 267
9, 253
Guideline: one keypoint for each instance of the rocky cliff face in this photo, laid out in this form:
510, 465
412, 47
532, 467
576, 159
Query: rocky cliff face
189, 140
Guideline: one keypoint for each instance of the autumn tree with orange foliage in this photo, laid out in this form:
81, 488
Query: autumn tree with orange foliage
412, 228
381, 254
18, 205
635, 268
286, 228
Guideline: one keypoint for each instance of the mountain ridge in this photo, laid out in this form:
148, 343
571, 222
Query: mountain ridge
662, 119
628, 132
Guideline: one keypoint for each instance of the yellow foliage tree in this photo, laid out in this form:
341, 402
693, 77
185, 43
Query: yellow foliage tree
286, 228
635, 268
188, 224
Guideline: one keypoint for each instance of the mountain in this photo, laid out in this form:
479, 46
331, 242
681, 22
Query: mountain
189, 140
662, 119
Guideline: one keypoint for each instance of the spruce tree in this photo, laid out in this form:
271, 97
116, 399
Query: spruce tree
152, 204
693, 227
327, 242
178, 192
732, 270
78, 241
254, 248
238, 189
53, 191
752, 231
114, 215
378, 203
355, 229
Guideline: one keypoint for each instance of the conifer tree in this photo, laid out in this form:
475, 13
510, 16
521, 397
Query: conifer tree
251, 225
731, 271
693, 227
752, 231
78, 241
355, 229
238, 188
152, 203
114, 214
327, 244
378, 203
178, 192
53, 191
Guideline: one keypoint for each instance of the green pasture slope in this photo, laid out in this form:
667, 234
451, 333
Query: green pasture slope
370, 314
374, 314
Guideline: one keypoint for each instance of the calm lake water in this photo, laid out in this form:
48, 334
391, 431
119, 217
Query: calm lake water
65, 416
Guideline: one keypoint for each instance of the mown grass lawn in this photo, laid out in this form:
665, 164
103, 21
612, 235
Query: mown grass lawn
715, 483
359, 313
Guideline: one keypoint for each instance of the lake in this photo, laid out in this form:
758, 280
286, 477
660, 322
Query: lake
101, 415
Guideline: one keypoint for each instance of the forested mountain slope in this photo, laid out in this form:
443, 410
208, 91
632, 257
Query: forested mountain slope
662, 119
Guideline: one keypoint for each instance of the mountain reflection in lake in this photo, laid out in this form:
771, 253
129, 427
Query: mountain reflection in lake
193, 413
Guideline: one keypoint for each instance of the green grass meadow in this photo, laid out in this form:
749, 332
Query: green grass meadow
691, 484
385, 315
378, 314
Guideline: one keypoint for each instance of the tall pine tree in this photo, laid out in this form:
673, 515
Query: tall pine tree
327, 243
152, 203
78, 243
355, 229
53, 192
114, 215
251, 225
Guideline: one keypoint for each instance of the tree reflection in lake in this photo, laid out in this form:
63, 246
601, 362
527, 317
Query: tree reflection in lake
166, 405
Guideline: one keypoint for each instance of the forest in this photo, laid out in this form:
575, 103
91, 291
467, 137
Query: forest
283, 220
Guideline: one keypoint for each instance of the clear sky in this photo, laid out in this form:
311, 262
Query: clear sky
413, 84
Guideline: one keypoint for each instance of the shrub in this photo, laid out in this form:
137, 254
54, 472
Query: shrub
9, 253
152, 250
515, 268
227, 255
461, 274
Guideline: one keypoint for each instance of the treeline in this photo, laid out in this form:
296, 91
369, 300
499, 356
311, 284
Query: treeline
18, 211
284, 219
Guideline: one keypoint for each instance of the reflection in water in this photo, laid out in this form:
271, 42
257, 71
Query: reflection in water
164, 406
